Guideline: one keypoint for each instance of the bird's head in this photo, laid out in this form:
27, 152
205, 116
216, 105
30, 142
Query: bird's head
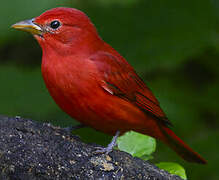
60, 26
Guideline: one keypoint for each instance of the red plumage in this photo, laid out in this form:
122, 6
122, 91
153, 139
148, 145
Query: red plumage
94, 84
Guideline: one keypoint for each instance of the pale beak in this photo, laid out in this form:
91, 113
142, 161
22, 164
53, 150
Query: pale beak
28, 26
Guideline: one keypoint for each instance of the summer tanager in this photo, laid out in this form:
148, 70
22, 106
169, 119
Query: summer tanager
94, 84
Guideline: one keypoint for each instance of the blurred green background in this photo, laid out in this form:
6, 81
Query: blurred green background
173, 45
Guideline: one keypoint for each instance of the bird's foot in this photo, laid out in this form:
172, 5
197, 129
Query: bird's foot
104, 150
109, 148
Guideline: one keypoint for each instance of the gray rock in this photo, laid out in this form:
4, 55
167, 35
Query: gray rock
39, 151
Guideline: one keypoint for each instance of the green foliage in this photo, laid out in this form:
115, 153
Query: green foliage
173, 168
116, 2
138, 145
142, 146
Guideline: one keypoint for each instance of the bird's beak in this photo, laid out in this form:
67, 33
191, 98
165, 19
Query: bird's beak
28, 26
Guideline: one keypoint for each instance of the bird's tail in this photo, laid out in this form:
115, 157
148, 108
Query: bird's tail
180, 147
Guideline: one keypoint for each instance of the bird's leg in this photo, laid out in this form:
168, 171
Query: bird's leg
73, 128
110, 146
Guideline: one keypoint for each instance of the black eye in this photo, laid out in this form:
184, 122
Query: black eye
55, 24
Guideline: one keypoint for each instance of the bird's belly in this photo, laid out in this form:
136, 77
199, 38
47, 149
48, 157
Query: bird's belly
82, 97
98, 109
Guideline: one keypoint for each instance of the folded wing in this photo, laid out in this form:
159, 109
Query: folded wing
120, 79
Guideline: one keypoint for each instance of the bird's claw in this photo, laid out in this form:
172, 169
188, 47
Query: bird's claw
103, 150
109, 148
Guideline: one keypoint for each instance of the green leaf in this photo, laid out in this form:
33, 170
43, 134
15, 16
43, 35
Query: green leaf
137, 144
173, 168
146, 157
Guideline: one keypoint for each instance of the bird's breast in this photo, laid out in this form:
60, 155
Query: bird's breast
73, 84
76, 88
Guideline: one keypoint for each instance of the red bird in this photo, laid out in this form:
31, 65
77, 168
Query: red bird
94, 84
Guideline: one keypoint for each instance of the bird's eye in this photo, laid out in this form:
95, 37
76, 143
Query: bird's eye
55, 24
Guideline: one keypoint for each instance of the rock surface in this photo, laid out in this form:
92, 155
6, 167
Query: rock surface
32, 150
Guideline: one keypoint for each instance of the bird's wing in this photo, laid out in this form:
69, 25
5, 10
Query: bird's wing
120, 79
